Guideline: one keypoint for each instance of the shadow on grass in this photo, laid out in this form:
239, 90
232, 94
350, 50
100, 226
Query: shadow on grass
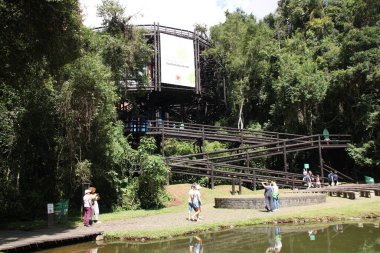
29, 225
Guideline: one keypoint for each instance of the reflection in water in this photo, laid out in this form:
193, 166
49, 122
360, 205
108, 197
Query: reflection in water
312, 234
337, 238
93, 250
275, 243
195, 245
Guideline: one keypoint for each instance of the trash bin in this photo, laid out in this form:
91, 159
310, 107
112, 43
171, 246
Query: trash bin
61, 210
369, 180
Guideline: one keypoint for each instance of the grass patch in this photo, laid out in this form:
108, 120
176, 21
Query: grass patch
344, 213
179, 195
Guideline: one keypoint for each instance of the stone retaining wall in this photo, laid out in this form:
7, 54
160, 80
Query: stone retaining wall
259, 203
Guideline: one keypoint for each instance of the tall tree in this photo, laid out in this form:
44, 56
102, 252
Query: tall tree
241, 45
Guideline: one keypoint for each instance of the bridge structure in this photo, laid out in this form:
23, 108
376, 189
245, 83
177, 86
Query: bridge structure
234, 164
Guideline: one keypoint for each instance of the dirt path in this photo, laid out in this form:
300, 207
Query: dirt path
213, 215
13, 239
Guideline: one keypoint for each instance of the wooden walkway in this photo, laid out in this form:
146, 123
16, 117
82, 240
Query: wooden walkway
24, 241
223, 164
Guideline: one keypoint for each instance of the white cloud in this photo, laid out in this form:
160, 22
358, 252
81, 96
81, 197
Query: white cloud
180, 13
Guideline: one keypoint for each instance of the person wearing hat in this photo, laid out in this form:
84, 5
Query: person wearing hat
87, 207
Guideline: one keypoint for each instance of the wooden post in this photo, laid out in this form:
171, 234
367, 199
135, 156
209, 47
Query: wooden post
155, 78
203, 139
233, 186
212, 172
292, 182
168, 175
254, 180
212, 177
240, 188
321, 159
162, 139
285, 160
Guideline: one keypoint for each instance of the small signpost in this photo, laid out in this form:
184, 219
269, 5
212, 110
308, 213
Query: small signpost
50, 212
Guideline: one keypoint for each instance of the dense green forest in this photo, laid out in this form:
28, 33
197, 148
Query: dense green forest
311, 65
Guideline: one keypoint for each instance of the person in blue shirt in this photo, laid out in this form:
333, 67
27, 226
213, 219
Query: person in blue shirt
268, 191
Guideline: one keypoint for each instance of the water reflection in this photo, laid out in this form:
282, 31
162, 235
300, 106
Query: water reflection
195, 245
275, 243
93, 250
337, 238
312, 233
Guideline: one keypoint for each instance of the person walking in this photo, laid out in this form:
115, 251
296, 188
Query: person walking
196, 203
87, 207
275, 195
335, 178
268, 190
198, 195
190, 200
330, 178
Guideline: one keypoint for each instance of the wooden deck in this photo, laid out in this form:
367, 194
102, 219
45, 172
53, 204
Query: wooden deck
26, 241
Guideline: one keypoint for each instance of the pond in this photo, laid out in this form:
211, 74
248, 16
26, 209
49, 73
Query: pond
344, 238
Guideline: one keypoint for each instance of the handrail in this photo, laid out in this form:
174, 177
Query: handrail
246, 174
292, 145
237, 167
155, 126
176, 31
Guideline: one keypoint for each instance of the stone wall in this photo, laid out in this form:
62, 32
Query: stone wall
259, 203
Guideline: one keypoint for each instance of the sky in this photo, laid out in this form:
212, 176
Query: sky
181, 14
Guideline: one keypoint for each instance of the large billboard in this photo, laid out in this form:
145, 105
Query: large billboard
177, 61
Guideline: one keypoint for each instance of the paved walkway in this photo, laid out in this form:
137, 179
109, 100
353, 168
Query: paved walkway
15, 239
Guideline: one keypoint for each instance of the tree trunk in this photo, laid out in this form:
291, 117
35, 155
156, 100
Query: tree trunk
240, 121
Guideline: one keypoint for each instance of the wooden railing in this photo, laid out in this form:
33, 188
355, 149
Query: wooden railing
256, 144
269, 149
233, 173
205, 132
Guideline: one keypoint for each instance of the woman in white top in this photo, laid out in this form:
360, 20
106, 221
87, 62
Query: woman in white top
95, 209
197, 202
87, 207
